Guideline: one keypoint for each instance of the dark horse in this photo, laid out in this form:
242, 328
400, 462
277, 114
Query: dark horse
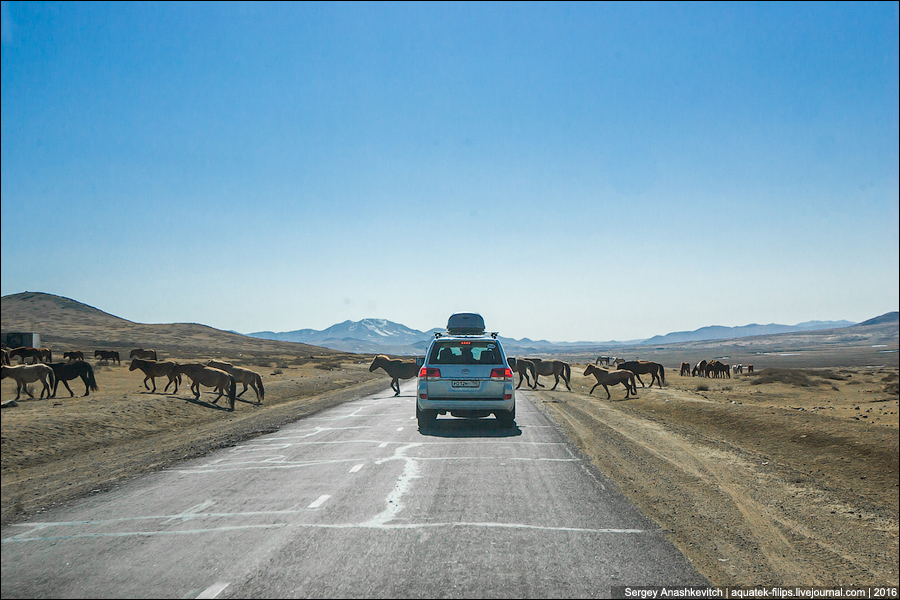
66, 371
397, 369
556, 368
112, 355
25, 352
643, 367
144, 354
522, 367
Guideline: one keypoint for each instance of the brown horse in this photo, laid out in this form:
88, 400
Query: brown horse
605, 377
522, 366
25, 352
66, 371
643, 367
716, 369
242, 376
153, 369
73, 355
112, 355
24, 374
397, 369
218, 379
700, 369
557, 368
5, 360
145, 354
685, 369
749, 368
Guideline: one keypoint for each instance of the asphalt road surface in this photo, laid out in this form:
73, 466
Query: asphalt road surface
354, 502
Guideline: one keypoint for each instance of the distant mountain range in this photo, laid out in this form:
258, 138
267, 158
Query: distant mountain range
382, 336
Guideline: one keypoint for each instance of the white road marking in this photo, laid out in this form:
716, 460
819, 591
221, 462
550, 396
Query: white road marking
356, 468
213, 590
319, 501
191, 512
383, 445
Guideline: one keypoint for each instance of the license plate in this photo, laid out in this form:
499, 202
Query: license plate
464, 383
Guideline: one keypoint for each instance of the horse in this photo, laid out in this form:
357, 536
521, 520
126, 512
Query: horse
23, 374
66, 371
718, 369
397, 369
749, 369
5, 360
700, 369
112, 355
522, 367
243, 376
604, 359
685, 369
218, 379
73, 355
556, 368
145, 354
153, 369
25, 352
46, 355
643, 367
616, 376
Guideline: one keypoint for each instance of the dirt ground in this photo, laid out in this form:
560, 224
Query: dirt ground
787, 477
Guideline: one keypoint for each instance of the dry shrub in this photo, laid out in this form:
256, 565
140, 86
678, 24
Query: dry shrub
702, 387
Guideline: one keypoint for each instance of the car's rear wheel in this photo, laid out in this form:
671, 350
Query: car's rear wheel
507, 419
426, 418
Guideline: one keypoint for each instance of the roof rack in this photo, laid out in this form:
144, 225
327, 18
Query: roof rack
493, 334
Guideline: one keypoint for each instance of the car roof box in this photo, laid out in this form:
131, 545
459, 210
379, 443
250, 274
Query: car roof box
465, 324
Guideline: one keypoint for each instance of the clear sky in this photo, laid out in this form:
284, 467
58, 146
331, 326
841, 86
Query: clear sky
570, 171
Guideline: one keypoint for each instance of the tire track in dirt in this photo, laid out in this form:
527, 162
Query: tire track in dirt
724, 513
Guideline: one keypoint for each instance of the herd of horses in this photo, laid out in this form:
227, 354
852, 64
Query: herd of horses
222, 376
528, 369
713, 369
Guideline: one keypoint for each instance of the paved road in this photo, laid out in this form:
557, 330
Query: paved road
354, 502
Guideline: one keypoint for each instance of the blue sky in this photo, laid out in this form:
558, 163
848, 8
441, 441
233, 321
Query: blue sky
570, 171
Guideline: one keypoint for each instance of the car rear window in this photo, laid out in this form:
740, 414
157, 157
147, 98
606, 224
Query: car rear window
465, 352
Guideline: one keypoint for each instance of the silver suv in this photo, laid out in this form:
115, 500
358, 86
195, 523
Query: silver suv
465, 373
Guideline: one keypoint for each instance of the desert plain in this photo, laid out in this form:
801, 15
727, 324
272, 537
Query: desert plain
788, 476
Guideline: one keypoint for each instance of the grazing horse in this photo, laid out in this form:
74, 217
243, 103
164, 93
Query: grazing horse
73, 355
605, 377
700, 369
749, 369
397, 369
522, 366
643, 367
5, 360
243, 376
145, 354
112, 355
25, 352
24, 374
153, 369
604, 359
556, 368
218, 379
717, 369
64, 372
685, 369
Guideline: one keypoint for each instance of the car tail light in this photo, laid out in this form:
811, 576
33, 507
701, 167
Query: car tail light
427, 373
501, 373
